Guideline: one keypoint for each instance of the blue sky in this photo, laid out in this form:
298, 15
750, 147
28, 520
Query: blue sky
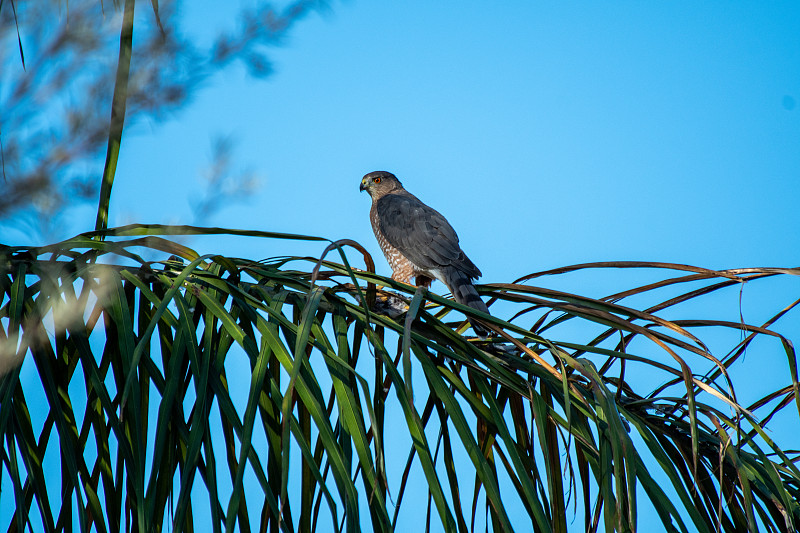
554, 133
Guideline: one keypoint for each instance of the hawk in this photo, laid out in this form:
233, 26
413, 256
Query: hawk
418, 242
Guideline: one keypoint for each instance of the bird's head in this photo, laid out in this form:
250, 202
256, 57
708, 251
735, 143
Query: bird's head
380, 183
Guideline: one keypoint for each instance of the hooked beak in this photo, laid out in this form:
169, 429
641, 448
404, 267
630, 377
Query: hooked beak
363, 186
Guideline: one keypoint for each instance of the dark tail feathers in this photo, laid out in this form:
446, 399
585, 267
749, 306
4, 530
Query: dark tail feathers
464, 292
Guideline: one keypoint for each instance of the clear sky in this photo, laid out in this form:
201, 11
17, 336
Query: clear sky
548, 133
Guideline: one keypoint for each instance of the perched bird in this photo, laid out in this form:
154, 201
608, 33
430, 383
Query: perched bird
418, 241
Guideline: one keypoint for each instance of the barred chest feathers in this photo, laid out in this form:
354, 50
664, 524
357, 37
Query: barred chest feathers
402, 269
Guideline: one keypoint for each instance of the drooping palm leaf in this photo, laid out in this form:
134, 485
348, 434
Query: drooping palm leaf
206, 392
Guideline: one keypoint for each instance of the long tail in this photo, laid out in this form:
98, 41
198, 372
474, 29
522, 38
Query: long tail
464, 292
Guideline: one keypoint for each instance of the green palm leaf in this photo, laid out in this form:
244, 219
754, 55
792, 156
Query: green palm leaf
143, 408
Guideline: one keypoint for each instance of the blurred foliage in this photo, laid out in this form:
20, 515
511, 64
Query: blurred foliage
58, 65
223, 182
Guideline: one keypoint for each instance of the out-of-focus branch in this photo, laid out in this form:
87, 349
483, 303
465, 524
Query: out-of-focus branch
54, 112
118, 105
224, 184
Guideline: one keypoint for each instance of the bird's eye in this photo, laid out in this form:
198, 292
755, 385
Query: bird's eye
376, 180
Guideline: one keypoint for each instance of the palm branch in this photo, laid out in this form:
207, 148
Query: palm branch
274, 395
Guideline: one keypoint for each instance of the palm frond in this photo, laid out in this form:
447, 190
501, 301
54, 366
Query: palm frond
217, 392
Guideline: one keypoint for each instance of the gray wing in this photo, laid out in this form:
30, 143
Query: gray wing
422, 234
